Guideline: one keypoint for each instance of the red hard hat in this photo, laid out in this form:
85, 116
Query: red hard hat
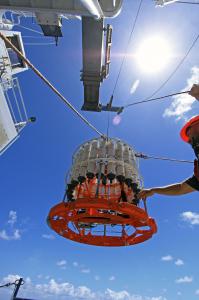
183, 132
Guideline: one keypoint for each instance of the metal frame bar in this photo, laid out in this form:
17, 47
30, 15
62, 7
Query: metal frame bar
15, 100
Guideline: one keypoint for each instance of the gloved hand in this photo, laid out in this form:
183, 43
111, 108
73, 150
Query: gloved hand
145, 193
194, 92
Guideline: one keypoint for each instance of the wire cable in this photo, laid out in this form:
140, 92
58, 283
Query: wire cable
144, 156
155, 99
7, 284
35, 37
186, 2
124, 57
140, 155
39, 44
122, 63
48, 83
30, 29
175, 70
108, 125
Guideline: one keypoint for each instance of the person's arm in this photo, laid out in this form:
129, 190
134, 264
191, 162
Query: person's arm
169, 190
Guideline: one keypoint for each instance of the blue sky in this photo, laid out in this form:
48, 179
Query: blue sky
32, 171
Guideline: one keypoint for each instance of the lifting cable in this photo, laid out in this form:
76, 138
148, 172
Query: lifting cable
108, 125
122, 63
144, 156
128, 43
39, 74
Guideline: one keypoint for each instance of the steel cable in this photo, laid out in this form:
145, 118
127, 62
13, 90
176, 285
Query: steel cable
38, 73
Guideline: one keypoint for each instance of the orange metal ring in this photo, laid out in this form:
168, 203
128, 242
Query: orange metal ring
101, 212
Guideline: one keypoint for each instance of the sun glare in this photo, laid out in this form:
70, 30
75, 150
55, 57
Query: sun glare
153, 54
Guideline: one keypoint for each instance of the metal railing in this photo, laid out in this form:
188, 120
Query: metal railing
15, 102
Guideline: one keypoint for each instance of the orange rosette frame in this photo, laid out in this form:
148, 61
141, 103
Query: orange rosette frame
100, 206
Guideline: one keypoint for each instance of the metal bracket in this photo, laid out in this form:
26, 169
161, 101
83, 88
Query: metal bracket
106, 66
18, 283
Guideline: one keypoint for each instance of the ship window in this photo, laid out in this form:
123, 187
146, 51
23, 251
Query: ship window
16, 61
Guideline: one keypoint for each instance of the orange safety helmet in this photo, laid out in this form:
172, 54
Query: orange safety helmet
191, 122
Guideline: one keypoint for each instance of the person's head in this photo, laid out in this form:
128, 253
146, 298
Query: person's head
190, 133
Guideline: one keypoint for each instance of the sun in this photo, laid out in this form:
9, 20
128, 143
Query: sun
153, 54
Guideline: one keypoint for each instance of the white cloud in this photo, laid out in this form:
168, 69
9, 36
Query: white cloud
53, 290
75, 264
10, 278
134, 86
111, 278
179, 262
86, 271
182, 104
48, 236
11, 233
64, 289
190, 217
82, 268
122, 295
185, 279
16, 235
84, 292
61, 263
12, 217
167, 258
156, 298
197, 292
97, 278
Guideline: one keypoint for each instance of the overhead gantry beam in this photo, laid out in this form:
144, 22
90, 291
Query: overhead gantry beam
96, 60
92, 48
